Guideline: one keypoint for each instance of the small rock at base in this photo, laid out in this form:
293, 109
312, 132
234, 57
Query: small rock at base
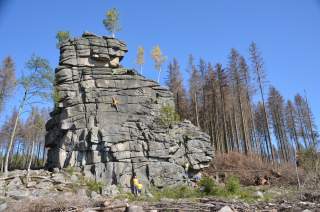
225, 209
134, 208
258, 194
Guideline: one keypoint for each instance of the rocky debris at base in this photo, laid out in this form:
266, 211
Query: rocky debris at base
42, 184
67, 191
107, 120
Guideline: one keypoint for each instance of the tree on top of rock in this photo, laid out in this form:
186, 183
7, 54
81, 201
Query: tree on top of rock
61, 37
140, 57
111, 22
159, 59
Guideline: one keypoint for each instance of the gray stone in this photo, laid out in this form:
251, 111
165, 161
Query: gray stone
225, 209
3, 205
110, 191
18, 194
94, 195
258, 194
134, 208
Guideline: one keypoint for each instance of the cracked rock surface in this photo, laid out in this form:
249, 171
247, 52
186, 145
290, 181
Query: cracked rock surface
106, 120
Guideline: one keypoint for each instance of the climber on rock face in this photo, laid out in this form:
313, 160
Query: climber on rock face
115, 103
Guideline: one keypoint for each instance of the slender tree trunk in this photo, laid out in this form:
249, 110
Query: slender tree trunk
44, 155
236, 137
6, 162
313, 137
159, 75
196, 109
30, 162
266, 118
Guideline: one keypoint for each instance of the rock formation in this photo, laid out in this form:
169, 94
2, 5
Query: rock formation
106, 120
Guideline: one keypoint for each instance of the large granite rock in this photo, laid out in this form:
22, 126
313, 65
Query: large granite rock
111, 142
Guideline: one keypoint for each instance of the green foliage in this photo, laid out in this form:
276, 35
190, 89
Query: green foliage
40, 78
168, 116
176, 192
61, 37
233, 185
111, 22
56, 97
94, 185
70, 170
208, 185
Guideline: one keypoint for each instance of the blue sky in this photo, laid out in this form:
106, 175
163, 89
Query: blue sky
287, 32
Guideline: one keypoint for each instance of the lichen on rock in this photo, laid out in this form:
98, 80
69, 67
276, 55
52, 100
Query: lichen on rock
106, 120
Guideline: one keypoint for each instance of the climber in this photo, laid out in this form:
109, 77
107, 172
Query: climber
139, 188
135, 183
115, 103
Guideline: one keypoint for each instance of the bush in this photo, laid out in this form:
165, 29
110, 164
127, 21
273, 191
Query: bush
233, 185
208, 186
176, 192
94, 185
168, 116
309, 160
70, 170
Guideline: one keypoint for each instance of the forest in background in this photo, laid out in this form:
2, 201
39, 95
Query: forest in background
236, 105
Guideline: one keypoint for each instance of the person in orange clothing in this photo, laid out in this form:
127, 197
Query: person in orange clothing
115, 103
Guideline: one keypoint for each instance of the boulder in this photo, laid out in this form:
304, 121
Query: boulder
225, 209
107, 121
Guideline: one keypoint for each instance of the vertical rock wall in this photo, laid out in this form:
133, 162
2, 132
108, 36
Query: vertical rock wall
106, 120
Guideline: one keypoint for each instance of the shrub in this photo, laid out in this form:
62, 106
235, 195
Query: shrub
61, 37
176, 192
208, 186
168, 116
233, 185
94, 185
70, 170
309, 160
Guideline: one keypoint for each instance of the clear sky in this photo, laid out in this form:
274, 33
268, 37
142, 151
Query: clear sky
287, 32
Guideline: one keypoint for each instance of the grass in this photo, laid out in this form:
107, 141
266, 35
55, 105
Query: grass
206, 188
70, 170
94, 185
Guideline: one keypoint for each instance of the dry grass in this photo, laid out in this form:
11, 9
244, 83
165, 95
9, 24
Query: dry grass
249, 168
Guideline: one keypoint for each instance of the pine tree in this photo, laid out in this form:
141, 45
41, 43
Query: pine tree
140, 58
37, 83
291, 124
276, 109
257, 63
175, 83
111, 21
62, 36
159, 59
7, 80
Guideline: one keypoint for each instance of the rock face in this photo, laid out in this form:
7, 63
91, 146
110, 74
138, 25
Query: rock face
106, 120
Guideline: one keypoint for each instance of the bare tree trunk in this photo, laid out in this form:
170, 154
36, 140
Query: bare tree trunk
266, 119
13, 133
196, 108
30, 162
313, 137
159, 75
